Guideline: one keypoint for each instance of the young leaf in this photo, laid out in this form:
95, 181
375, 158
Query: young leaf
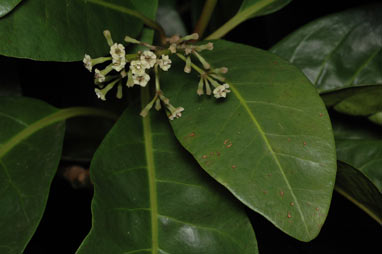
151, 197
7, 5
66, 30
338, 51
248, 9
30, 149
360, 146
269, 142
355, 186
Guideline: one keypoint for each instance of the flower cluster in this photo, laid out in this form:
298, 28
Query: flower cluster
134, 69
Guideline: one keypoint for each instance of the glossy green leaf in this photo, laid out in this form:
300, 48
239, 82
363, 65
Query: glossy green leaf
356, 187
150, 196
30, 150
338, 51
360, 146
66, 30
269, 142
7, 5
248, 9
169, 18
356, 101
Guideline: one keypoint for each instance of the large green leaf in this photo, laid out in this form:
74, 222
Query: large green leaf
270, 142
30, 149
66, 30
248, 9
356, 187
7, 5
338, 51
360, 146
151, 197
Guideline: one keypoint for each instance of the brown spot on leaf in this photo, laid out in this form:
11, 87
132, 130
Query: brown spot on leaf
192, 134
291, 203
265, 192
289, 139
229, 145
304, 143
204, 156
226, 141
218, 153
234, 166
321, 114
281, 193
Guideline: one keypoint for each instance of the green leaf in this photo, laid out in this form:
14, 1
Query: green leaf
356, 101
169, 18
30, 150
269, 142
355, 186
66, 30
376, 118
7, 5
338, 51
248, 9
151, 197
360, 146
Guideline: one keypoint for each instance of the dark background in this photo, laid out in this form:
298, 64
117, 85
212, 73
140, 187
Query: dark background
67, 218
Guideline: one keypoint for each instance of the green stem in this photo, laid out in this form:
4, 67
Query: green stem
239, 18
58, 116
205, 17
147, 21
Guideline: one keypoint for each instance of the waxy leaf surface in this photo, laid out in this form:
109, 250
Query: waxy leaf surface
252, 7
29, 154
360, 146
357, 187
150, 196
7, 5
65, 30
338, 51
269, 142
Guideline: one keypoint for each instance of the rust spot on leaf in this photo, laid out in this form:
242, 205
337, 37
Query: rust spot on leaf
229, 145
289, 139
265, 192
204, 156
304, 143
321, 114
226, 141
281, 193
289, 215
218, 153
234, 166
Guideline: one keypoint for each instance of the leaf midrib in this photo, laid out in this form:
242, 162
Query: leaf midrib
149, 152
268, 145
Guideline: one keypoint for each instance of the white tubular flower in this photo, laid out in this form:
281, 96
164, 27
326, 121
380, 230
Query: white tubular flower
88, 62
117, 51
149, 57
99, 76
221, 91
119, 63
165, 63
138, 67
176, 113
141, 80
100, 94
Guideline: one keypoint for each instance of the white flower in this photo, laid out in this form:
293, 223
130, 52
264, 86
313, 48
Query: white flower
100, 94
141, 80
117, 51
99, 76
165, 63
149, 57
88, 62
119, 63
176, 113
138, 67
221, 91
